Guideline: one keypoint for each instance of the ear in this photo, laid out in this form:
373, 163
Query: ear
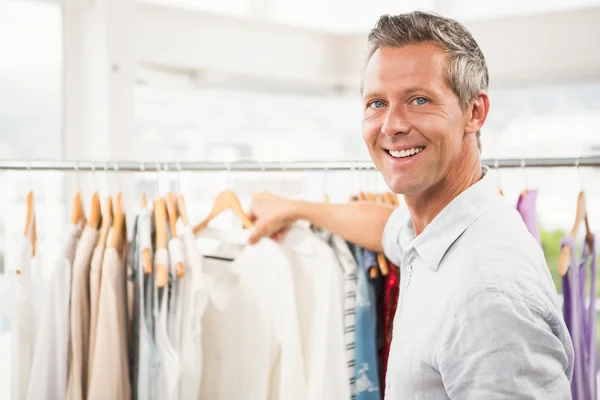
478, 112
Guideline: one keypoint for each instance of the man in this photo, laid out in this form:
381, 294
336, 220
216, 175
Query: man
478, 315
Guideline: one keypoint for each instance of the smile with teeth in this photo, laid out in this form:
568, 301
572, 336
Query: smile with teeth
405, 153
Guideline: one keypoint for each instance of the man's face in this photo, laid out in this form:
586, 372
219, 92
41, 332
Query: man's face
413, 124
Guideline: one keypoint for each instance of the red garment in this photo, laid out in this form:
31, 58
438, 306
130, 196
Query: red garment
391, 292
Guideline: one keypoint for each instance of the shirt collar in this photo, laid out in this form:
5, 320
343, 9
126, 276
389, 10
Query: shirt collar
450, 223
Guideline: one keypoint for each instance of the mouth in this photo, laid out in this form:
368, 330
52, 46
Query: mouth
405, 154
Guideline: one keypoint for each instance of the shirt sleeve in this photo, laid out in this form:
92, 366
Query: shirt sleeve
500, 346
391, 234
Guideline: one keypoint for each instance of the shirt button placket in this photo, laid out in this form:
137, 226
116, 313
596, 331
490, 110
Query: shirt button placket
409, 271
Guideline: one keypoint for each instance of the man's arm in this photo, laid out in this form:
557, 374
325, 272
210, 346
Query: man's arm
502, 347
360, 223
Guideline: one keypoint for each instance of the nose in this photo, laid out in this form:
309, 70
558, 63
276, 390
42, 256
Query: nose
395, 122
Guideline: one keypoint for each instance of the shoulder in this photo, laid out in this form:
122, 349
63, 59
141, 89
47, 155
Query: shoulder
508, 260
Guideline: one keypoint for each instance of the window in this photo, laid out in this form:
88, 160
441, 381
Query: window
30, 108
30, 120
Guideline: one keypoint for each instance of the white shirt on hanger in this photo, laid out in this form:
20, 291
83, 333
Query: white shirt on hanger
170, 368
318, 283
251, 347
18, 303
194, 291
49, 370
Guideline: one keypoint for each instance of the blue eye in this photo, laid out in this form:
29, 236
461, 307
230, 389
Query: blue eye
420, 101
377, 104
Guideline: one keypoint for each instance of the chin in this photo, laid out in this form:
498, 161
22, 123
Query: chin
401, 185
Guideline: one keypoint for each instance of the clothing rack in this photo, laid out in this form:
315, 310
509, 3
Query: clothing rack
249, 166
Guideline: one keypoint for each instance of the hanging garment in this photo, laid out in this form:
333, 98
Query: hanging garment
137, 275
195, 291
526, 206
18, 304
391, 293
95, 280
175, 295
80, 315
318, 285
146, 364
251, 347
170, 369
366, 370
49, 369
110, 370
581, 319
349, 266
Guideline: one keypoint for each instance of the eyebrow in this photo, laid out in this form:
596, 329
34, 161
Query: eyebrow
409, 91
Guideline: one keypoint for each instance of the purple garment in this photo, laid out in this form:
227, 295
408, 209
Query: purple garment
526, 207
581, 320
369, 259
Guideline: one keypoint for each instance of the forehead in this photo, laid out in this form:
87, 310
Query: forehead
423, 65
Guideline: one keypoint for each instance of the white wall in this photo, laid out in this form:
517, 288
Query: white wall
525, 49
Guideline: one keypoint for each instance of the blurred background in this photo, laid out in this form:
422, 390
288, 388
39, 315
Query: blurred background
271, 80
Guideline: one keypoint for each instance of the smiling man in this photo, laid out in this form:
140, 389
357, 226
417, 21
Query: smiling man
478, 315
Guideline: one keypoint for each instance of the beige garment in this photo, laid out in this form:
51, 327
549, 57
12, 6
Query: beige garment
95, 279
80, 315
110, 370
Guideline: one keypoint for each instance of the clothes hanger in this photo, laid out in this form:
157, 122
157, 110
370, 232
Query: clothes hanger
173, 214
118, 226
160, 222
146, 252
161, 271
180, 200
388, 199
107, 220
526, 190
95, 208
119, 231
30, 225
77, 212
182, 210
580, 216
226, 200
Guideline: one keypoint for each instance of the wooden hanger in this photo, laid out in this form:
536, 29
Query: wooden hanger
96, 212
227, 200
182, 210
30, 226
580, 216
388, 199
160, 222
107, 220
173, 214
146, 252
77, 213
118, 226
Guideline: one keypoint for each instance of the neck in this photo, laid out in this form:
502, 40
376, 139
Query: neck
425, 206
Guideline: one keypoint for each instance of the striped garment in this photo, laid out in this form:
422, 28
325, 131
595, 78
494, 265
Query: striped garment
349, 267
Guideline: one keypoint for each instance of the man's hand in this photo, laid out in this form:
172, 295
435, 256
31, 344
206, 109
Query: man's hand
272, 216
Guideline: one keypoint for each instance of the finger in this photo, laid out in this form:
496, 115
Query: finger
260, 230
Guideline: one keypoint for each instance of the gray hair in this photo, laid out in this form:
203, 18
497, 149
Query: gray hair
467, 69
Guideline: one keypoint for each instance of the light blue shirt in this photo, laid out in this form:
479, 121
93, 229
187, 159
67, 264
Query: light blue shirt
478, 315
366, 369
